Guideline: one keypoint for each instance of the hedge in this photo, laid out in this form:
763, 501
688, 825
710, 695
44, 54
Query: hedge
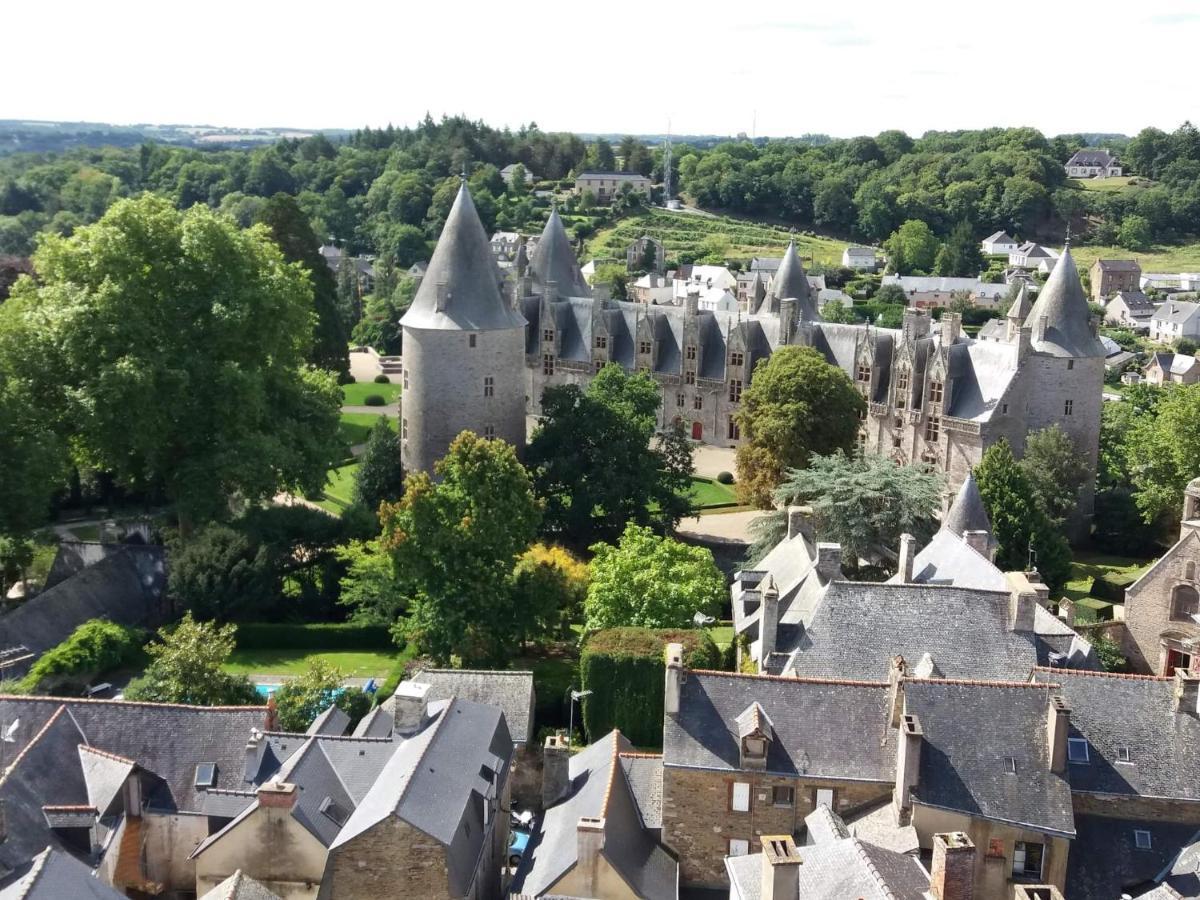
624, 668
313, 636
95, 647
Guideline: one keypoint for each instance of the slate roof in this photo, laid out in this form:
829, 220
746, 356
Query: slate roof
601, 787
463, 262
1105, 862
643, 775
332, 721
1062, 302
949, 560
1183, 873
859, 627
1118, 265
1101, 158
1136, 712
1176, 311
1136, 302
969, 728
555, 261
998, 237
967, 512
55, 875
240, 886
509, 691
791, 282
815, 721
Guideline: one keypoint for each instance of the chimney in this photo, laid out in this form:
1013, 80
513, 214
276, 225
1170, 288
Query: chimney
829, 561
951, 328
272, 717
1022, 600
551, 291
897, 671
952, 874
556, 772
979, 541
277, 795
693, 301
1024, 342
254, 749
908, 766
674, 658
1058, 721
780, 868
768, 622
411, 707
787, 320
1042, 323
797, 518
589, 833
908, 551
1187, 697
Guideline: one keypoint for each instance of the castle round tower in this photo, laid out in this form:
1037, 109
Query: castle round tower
464, 348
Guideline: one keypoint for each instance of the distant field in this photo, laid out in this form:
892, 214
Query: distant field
727, 236
1160, 258
1130, 183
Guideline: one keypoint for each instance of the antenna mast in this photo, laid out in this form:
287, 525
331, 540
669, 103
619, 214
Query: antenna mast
667, 167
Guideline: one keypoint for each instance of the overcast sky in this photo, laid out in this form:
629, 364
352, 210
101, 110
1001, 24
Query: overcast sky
762, 66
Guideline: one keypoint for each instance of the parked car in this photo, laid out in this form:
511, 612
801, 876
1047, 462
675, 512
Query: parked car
518, 841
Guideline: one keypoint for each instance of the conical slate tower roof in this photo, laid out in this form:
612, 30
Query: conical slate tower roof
967, 512
554, 260
1065, 308
791, 282
1021, 305
461, 288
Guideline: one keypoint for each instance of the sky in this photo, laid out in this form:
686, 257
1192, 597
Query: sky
762, 67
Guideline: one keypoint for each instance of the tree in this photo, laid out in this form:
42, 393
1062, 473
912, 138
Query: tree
187, 666
601, 156
1135, 233
380, 475
370, 586
292, 231
348, 298
614, 277
299, 701
518, 182
891, 294
649, 260
912, 248
651, 581
32, 457
797, 405
455, 542
1056, 470
960, 255
219, 573
1165, 453
1019, 523
552, 585
593, 465
862, 502
172, 348
834, 311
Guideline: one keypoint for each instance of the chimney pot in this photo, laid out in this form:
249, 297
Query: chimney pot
1058, 721
908, 552
674, 682
277, 795
412, 707
979, 541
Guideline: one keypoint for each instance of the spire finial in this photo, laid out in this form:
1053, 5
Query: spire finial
1067, 240
463, 175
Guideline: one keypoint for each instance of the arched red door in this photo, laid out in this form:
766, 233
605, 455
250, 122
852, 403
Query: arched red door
697, 431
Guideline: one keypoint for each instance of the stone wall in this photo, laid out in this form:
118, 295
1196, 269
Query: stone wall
1148, 610
1130, 807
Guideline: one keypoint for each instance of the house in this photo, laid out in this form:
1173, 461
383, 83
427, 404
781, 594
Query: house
998, 244
705, 277
1161, 608
1172, 368
1175, 319
362, 266
598, 836
509, 690
646, 249
863, 258
1129, 309
603, 186
931, 292
1090, 163
1029, 255
989, 295
1111, 276
507, 173
652, 289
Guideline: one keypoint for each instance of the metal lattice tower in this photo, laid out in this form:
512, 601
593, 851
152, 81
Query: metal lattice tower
667, 166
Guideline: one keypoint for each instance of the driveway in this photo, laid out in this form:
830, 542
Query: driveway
725, 527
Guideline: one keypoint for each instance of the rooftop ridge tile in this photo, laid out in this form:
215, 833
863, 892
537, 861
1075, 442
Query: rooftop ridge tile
1126, 675
792, 679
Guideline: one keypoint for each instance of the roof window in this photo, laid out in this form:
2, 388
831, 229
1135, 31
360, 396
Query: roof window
206, 775
1142, 839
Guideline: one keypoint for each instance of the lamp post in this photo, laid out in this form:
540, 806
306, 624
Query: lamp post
575, 695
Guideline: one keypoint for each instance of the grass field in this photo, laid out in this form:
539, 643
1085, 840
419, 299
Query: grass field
1120, 570
1159, 258
284, 661
339, 490
355, 427
1124, 184
723, 235
709, 492
356, 394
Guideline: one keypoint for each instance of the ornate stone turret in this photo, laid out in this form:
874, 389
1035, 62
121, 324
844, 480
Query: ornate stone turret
555, 261
1061, 318
790, 282
464, 348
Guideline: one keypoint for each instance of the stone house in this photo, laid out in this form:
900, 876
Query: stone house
1172, 368
1092, 163
606, 185
1161, 608
1130, 309
931, 292
1175, 319
635, 255
1111, 276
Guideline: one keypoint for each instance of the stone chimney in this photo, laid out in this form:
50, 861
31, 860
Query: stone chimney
674, 683
1022, 600
952, 873
787, 320
589, 833
829, 561
1040, 331
915, 323
1058, 722
897, 671
908, 552
768, 621
693, 301
1024, 343
254, 754
412, 708
780, 864
550, 291
1186, 694
797, 520
951, 328
908, 766
556, 771
980, 541
277, 795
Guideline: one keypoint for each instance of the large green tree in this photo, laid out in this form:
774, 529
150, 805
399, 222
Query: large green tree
912, 248
32, 457
1164, 450
1056, 470
187, 666
171, 349
380, 475
455, 542
321, 685
960, 254
595, 463
797, 405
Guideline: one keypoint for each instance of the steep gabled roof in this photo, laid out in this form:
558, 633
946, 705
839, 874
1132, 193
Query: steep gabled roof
509, 691
791, 282
1065, 308
1021, 305
240, 886
54, 875
464, 271
967, 512
555, 261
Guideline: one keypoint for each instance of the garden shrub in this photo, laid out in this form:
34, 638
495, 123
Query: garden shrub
725, 477
313, 636
624, 668
382, 379
1103, 589
95, 647
374, 400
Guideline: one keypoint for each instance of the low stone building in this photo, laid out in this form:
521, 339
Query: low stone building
1112, 276
1129, 309
644, 249
604, 186
1172, 368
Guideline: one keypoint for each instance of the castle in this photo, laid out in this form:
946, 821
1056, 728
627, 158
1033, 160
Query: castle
935, 395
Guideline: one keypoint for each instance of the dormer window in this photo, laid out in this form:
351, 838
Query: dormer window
756, 747
864, 374
1123, 754
902, 390
601, 342
645, 347
736, 358
691, 351
1010, 765
333, 811
935, 391
548, 335
1077, 750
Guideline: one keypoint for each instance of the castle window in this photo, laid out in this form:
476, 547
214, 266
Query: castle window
933, 428
1004, 409
548, 335
691, 351
404, 378
862, 414
698, 402
680, 399
404, 429
1068, 407
739, 847
736, 358
902, 390
739, 796
1189, 570
548, 364
1070, 364
599, 365
471, 340
689, 377
734, 433
897, 433
935, 392
735, 390
864, 374
601, 342
1185, 602
489, 386
645, 347
783, 796
489, 431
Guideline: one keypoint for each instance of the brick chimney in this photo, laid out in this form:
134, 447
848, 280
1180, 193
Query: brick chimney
768, 621
829, 561
556, 772
1058, 722
277, 795
1187, 692
674, 682
589, 833
412, 708
780, 868
952, 874
908, 766
979, 541
1022, 599
908, 552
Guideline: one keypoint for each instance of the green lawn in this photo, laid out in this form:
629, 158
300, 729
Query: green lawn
708, 492
355, 427
283, 661
1120, 570
340, 486
86, 532
356, 394
1123, 184
722, 634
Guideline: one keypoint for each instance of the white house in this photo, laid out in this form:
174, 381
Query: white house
860, 258
718, 300
507, 174
1132, 309
1175, 319
704, 277
998, 244
1030, 255
1093, 164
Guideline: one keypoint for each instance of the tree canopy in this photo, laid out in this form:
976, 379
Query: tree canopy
186, 667
1164, 451
300, 700
1056, 471
380, 476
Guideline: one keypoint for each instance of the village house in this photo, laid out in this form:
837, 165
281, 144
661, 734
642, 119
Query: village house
1030, 255
1129, 309
603, 186
1111, 276
652, 289
998, 244
1172, 368
1175, 319
646, 249
864, 258
1090, 163
507, 173
363, 266
930, 292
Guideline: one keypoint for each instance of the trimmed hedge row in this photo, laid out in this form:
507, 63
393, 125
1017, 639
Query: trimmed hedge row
314, 636
624, 668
